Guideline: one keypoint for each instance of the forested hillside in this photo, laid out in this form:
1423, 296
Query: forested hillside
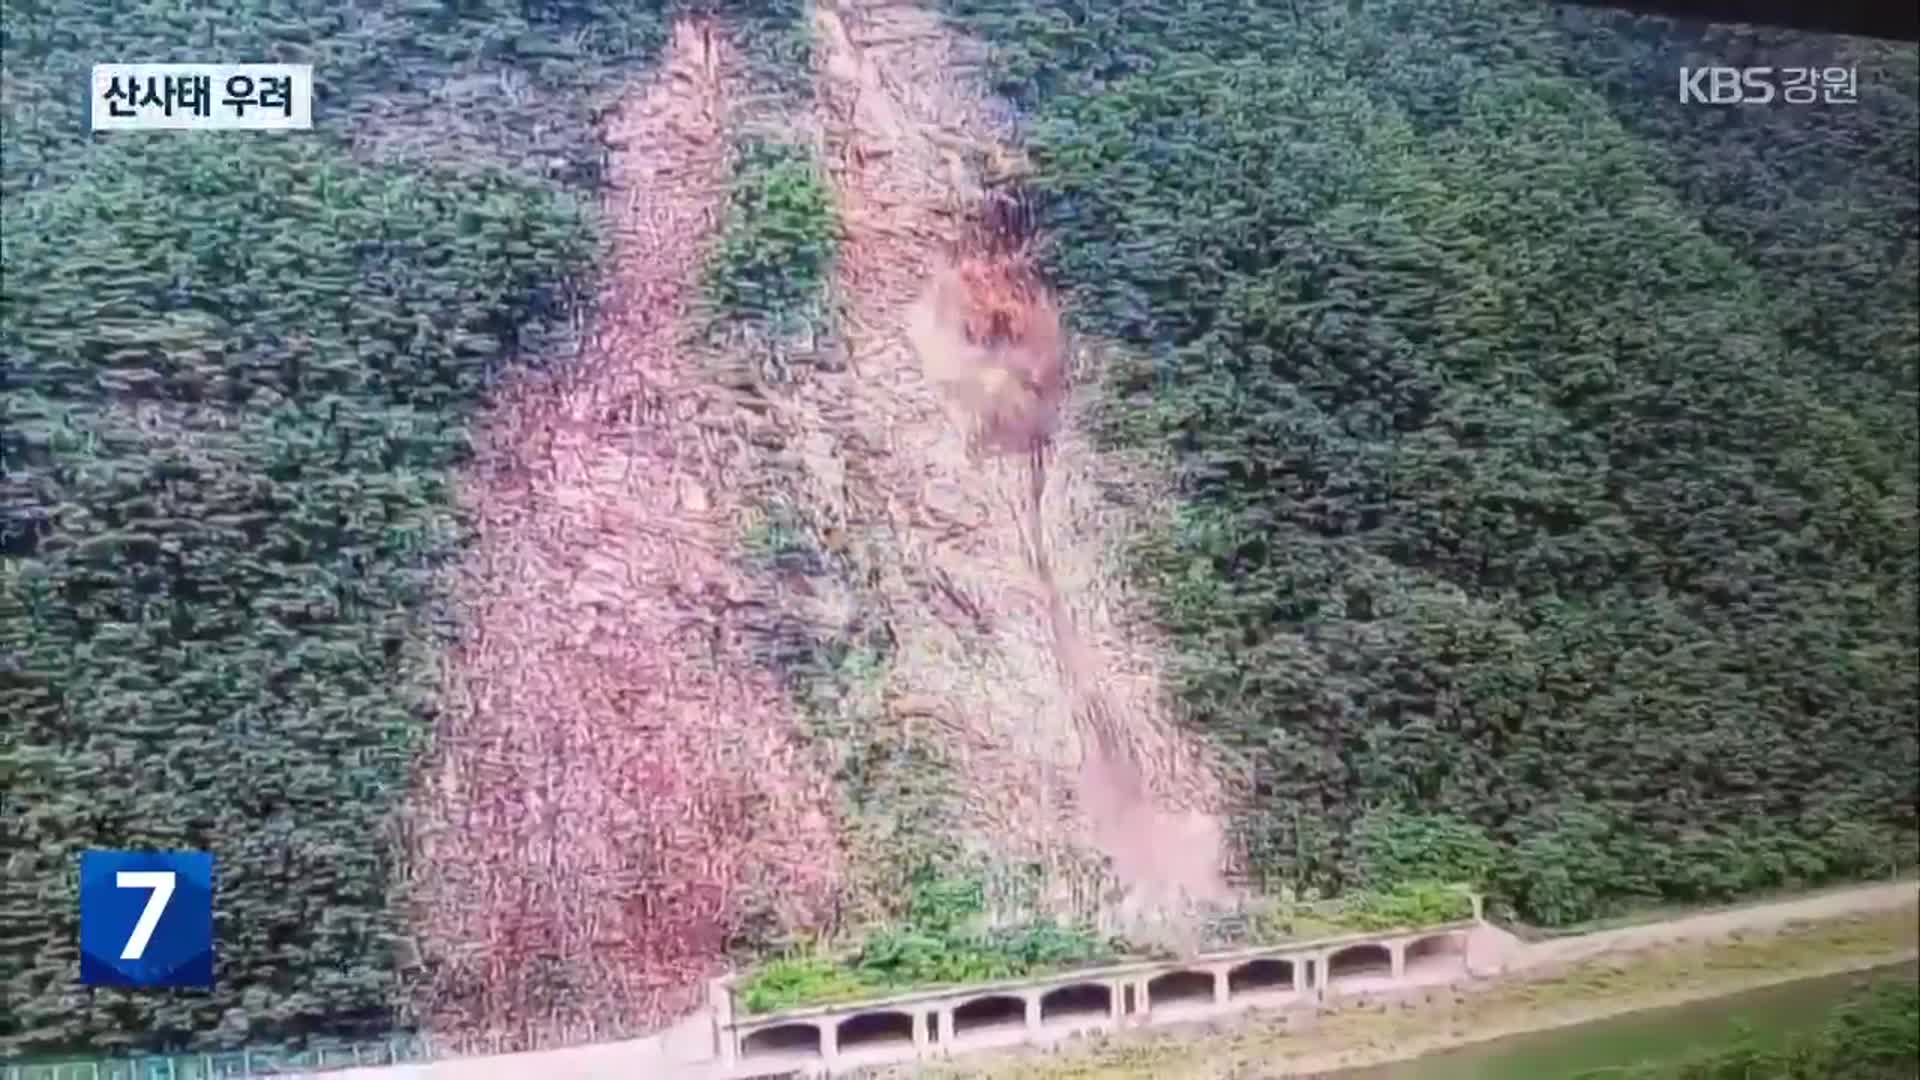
1547, 451
237, 372
1547, 447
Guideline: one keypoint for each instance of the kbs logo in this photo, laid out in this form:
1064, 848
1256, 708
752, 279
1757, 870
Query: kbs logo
1726, 86
146, 918
1759, 86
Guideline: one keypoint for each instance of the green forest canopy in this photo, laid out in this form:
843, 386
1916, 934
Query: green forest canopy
238, 372
1548, 449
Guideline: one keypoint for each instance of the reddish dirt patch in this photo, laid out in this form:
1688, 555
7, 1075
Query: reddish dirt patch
615, 784
987, 331
1018, 636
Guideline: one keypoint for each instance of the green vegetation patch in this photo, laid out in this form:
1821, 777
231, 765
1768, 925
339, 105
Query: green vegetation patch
1874, 1036
777, 246
939, 943
1521, 499
1411, 904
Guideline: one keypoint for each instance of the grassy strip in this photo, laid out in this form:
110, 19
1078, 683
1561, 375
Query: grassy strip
941, 944
1874, 1036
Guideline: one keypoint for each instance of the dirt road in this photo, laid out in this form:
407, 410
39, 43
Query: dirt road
1712, 925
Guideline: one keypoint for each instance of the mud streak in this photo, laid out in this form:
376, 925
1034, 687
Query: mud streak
615, 784
1088, 722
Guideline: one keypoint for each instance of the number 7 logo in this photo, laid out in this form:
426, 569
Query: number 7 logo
161, 882
146, 918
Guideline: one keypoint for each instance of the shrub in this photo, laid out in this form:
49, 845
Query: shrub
1412, 904
1393, 847
937, 945
777, 245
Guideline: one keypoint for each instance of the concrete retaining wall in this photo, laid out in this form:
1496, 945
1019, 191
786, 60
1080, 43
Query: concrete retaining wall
935, 1023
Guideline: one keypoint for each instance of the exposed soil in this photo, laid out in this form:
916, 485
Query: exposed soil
615, 784
1022, 642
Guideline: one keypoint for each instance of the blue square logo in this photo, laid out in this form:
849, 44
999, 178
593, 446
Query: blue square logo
146, 918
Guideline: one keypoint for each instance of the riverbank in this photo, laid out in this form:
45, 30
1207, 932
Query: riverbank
1863, 1025
1546, 985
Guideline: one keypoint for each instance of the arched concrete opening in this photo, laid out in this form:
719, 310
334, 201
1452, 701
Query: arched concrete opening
1179, 988
1079, 1002
876, 1030
783, 1041
997, 1013
933, 1027
1127, 1004
1261, 977
1441, 956
1360, 966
